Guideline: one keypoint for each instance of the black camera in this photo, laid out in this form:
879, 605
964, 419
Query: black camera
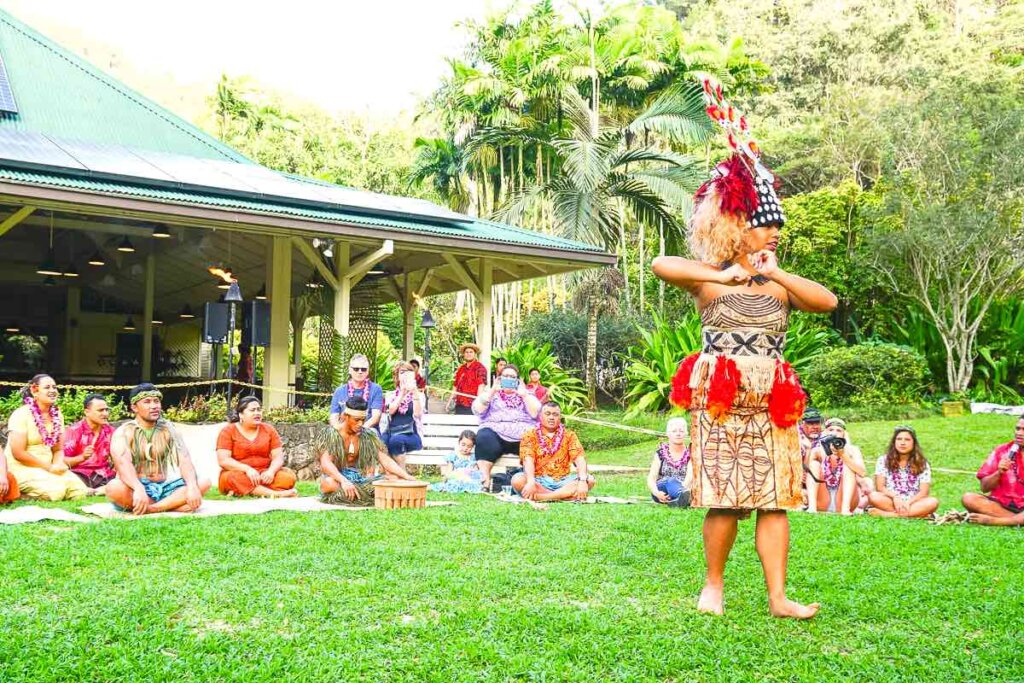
832, 443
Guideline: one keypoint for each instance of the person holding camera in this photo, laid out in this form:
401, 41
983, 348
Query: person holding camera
404, 407
903, 479
833, 467
507, 411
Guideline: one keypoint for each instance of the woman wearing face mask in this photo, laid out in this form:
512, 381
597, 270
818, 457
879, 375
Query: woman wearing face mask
666, 479
404, 407
507, 410
903, 479
35, 445
833, 469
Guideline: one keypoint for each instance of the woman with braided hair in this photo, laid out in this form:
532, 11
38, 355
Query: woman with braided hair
744, 400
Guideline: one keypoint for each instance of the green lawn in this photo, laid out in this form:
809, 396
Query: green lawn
487, 591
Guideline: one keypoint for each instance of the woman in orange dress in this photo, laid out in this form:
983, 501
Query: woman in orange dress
250, 456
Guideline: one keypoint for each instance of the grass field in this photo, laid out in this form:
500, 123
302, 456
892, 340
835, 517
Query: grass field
488, 591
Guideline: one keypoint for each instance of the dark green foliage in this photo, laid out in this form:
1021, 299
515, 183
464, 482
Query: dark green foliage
566, 331
71, 404
866, 375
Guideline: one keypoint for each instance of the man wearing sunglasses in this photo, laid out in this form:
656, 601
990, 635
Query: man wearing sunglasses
359, 384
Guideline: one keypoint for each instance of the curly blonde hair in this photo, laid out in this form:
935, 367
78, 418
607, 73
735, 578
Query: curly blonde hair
714, 236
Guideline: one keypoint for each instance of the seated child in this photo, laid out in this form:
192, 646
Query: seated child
460, 472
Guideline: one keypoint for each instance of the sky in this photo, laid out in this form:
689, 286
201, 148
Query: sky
376, 57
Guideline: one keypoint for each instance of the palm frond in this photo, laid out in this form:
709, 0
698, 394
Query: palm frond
678, 114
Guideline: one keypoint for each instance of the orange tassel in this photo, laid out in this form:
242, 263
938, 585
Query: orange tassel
682, 395
722, 388
787, 401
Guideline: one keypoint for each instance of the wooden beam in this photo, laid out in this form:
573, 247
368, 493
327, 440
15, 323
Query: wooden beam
147, 318
15, 218
314, 260
424, 283
464, 276
391, 285
358, 270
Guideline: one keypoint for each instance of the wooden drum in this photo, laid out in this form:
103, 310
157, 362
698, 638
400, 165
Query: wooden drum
399, 493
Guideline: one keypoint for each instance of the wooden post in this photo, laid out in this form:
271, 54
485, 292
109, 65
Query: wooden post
72, 331
484, 322
275, 360
408, 319
147, 318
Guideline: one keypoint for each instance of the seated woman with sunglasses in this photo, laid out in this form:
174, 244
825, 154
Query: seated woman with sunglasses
404, 406
903, 479
507, 411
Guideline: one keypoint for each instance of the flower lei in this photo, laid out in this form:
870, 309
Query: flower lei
49, 438
904, 482
406, 402
512, 401
664, 453
549, 447
352, 389
831, 475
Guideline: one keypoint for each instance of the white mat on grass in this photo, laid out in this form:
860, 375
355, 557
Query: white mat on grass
34, 513
543, 505
246, 506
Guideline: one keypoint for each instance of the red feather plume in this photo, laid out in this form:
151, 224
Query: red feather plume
725, 382
787, 401
735, 188
681, 394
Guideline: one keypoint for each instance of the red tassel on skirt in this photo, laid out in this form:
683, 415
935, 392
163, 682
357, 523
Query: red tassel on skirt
722, 388
787, 401
682, 395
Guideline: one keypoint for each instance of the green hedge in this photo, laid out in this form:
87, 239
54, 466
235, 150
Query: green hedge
867, 375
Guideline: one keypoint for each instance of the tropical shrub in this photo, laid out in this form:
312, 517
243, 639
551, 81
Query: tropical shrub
290, 415
199, 409
999, 368
568, 390
867, 375
566, 332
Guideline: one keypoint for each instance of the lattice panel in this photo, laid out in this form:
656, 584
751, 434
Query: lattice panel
334, 353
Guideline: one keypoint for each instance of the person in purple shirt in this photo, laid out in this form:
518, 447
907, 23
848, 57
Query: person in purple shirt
359, 384
506, 410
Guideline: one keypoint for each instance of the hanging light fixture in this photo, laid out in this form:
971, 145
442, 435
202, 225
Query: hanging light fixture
376, 271
314, 282
157, 319
262, 294
69, 270
49, 266
12, 329
161, 232
49, 281
126, 246
97, 259
129, 325
186, 313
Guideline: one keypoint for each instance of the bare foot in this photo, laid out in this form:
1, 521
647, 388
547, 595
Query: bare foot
979, 518
787, 609
710, 600
287, 493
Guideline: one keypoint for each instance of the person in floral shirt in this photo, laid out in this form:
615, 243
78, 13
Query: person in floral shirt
87, 445
903, 479
547, 453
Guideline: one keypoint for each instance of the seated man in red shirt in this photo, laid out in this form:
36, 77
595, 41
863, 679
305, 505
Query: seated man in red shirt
1002, 478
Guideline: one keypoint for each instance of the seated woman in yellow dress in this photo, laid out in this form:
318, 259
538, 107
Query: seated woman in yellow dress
35, 446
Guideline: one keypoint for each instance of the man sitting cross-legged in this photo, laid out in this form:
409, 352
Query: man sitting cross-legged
146, 451
547, 453
351, 457
1002, 478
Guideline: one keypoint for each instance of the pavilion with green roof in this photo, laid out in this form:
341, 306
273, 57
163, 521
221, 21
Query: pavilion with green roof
114, 209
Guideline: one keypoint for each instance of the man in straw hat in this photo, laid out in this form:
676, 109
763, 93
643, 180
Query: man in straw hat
470, 376
154, 470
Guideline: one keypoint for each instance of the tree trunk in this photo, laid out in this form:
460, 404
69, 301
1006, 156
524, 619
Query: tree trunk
661, 283
592, 353
642, 269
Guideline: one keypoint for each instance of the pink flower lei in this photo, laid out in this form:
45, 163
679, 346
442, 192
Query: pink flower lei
665, 454
550, 446
512, 401
831, 475
904, 482
52, 437
406, 402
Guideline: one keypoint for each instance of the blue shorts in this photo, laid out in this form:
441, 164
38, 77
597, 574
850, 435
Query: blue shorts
355, 476
158, 490
552, 484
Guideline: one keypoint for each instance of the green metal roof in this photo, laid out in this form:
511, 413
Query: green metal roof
60, 94
485, 231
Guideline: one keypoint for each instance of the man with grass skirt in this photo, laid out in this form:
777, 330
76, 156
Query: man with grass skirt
351, 458
154, 470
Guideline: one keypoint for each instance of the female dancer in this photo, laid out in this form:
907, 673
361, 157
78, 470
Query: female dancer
744, 399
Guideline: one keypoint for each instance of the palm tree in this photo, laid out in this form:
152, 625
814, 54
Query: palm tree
596, 294
443, 163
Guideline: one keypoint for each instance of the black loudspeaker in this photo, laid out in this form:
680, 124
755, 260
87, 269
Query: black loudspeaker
215, 323
256, 323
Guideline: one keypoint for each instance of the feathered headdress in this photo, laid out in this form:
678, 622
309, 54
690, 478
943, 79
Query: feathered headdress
743, 185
